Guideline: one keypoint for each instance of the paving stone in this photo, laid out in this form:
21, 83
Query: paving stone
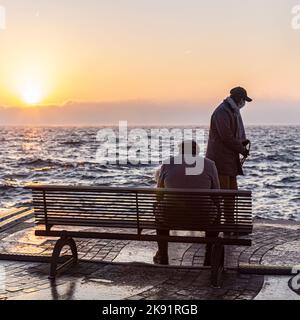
271, 245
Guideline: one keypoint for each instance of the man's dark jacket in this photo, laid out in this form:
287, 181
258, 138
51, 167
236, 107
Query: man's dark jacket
225, 142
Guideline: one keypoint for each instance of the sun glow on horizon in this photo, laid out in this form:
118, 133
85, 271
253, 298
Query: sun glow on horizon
30, 81
32, 94
31, 84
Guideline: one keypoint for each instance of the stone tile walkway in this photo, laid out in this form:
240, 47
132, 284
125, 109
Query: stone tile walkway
132, 274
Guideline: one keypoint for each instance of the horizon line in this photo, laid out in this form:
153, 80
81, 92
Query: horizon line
143, 125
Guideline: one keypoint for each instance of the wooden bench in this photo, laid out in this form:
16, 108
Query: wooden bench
70, 212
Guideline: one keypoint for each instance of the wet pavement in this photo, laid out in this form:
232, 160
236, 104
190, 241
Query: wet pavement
88, 280
113, 269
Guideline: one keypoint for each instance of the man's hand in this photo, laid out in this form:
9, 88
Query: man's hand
246, 152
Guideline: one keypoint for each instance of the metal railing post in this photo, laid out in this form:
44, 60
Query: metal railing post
137, 213
45, 210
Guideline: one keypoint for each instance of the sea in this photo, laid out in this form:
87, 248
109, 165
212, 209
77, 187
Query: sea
70, 156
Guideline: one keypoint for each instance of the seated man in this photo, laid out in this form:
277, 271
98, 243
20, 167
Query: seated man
174, 175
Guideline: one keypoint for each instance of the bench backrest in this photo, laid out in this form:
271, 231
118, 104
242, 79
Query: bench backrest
143, 208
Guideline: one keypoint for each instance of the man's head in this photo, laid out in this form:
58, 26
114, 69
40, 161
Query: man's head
240, 96
189, 147
189, 151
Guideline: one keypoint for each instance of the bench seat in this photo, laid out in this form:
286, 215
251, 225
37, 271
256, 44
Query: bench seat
69, 212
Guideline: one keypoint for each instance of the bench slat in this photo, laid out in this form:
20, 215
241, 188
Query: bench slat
97, 189
180, 209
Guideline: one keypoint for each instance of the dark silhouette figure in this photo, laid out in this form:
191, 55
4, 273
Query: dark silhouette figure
174, 175
227, 141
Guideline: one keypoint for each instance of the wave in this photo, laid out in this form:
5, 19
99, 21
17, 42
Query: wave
35, 162
132, 165
72, 143
291, 179
274, 186
282, 158
7, 187
39, 163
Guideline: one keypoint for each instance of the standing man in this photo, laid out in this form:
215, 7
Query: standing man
227, 140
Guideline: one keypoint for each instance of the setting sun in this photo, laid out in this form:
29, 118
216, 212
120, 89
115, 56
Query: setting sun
30, 82
31, 94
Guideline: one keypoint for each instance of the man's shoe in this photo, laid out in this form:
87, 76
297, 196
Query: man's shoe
158, 259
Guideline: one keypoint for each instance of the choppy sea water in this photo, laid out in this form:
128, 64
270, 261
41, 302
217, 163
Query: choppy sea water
58, 155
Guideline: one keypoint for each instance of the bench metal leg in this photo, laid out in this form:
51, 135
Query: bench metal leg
62, 242
217, 264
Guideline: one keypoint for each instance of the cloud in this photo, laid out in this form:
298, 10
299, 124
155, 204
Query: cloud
144, 112
103, 113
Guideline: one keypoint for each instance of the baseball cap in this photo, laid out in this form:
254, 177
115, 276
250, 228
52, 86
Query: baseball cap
240, 92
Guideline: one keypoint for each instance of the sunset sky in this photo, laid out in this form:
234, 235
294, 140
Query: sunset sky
159, 61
